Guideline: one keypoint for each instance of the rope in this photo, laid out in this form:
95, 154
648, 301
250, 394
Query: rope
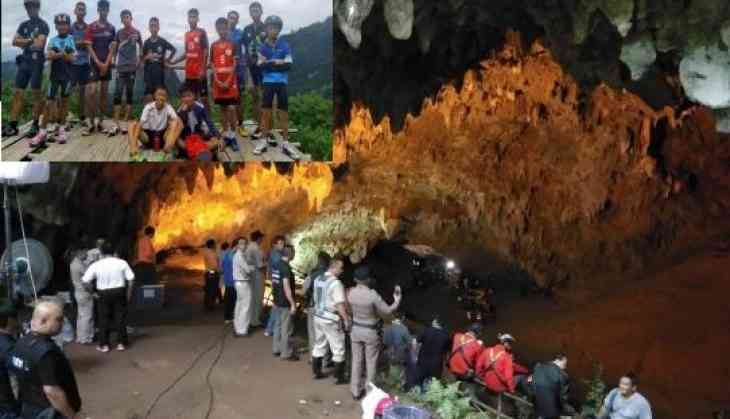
25, 243
186, 372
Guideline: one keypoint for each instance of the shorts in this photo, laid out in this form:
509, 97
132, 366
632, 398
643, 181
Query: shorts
278, 90
152, 82
64, 86
198, 86
229, 101
150, 135
257, 75
80, 74
96, 74
125, 81
29, 71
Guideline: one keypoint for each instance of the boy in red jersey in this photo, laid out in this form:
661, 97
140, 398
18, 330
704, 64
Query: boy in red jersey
196, 58
225, 83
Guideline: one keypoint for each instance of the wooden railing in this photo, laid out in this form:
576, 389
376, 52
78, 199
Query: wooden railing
499, 410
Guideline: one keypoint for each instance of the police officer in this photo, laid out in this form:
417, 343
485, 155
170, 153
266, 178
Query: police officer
46, 382
365, 338
331, 321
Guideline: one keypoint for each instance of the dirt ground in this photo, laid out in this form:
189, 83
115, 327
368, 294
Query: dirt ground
246, 382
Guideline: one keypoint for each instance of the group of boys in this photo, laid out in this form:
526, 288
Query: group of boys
84, 54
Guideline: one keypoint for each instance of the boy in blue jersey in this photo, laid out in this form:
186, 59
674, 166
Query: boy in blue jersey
61, 52
275, 60
31, 38
237, 37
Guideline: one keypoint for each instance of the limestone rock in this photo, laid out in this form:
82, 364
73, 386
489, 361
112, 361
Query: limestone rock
638, 54
399, 17
705, 76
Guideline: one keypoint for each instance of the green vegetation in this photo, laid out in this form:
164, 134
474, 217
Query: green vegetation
596, 392
310, 113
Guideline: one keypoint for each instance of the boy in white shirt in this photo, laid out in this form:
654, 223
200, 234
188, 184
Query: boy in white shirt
160, 125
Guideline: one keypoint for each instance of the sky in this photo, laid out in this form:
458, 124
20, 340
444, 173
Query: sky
172, 14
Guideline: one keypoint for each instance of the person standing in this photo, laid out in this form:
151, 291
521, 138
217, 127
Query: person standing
274, 257
331, 322
196, 59
255, 259
253, 36
282, 285
551, 386
31, 38
84, 300
80, 68
46, 382
212, 276
128, 54
625, 402
229, 296
101, 37
113, 282
239, 52
323, 262
365, 338
225, 82
242, 273
434, 346
155, 58
9, 407
397, 341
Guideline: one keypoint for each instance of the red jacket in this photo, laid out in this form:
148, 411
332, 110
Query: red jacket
465, 351
497, 369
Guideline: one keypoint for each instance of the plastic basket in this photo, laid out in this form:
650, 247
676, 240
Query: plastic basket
405, 412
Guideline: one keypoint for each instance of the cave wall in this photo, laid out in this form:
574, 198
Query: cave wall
393, 54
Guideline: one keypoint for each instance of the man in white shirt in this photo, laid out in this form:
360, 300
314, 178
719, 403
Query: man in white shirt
112, 278
158, 127
255, 259
242, 273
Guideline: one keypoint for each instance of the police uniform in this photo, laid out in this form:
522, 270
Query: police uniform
328, 292
36, 361
365, 338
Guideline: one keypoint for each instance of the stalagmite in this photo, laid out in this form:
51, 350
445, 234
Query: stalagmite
399, 17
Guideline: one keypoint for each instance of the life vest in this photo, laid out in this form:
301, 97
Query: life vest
322, 308
224, 69
464, 353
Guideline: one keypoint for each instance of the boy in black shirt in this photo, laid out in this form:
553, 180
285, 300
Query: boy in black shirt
155, 51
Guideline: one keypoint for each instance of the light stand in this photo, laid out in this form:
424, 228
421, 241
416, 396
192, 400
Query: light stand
8, 271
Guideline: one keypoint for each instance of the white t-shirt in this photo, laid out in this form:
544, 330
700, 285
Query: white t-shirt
154, 119
109, 272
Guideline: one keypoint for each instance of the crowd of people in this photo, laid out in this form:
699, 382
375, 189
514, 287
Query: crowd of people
87, 56
354, 324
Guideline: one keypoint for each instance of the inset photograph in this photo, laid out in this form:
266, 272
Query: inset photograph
140, 81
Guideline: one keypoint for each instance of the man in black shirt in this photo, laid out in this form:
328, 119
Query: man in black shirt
435, 344
154, 51
9, 408
282, 283
46, 382
31, 38
253, 36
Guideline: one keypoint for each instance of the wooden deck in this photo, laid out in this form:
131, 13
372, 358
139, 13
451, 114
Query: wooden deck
101, 148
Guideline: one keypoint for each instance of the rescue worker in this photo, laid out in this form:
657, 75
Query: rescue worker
498, 370
255, 258
550, 383
282, 284
365, 337
465, 351
9, 407
323, 262
46, 383
331, 321
242, 272
212, 276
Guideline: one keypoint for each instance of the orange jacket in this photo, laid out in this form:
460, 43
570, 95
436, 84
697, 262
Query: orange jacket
497, 369
465, 351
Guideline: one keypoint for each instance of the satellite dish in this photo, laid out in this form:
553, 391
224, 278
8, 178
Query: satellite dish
37, 258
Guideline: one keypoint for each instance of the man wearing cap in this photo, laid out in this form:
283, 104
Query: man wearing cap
46, 382
498, 370
9, 408
255, 258
465, 350
331, 321
365, 338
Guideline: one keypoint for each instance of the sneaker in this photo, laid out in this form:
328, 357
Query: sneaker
33, 131
88, 128
260, 148
62, 137
121, 347
113, 131
136, 157
242, 131
293, 358
272, 141
103, 349
99, 126
10, 130
267, 334
39, 139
